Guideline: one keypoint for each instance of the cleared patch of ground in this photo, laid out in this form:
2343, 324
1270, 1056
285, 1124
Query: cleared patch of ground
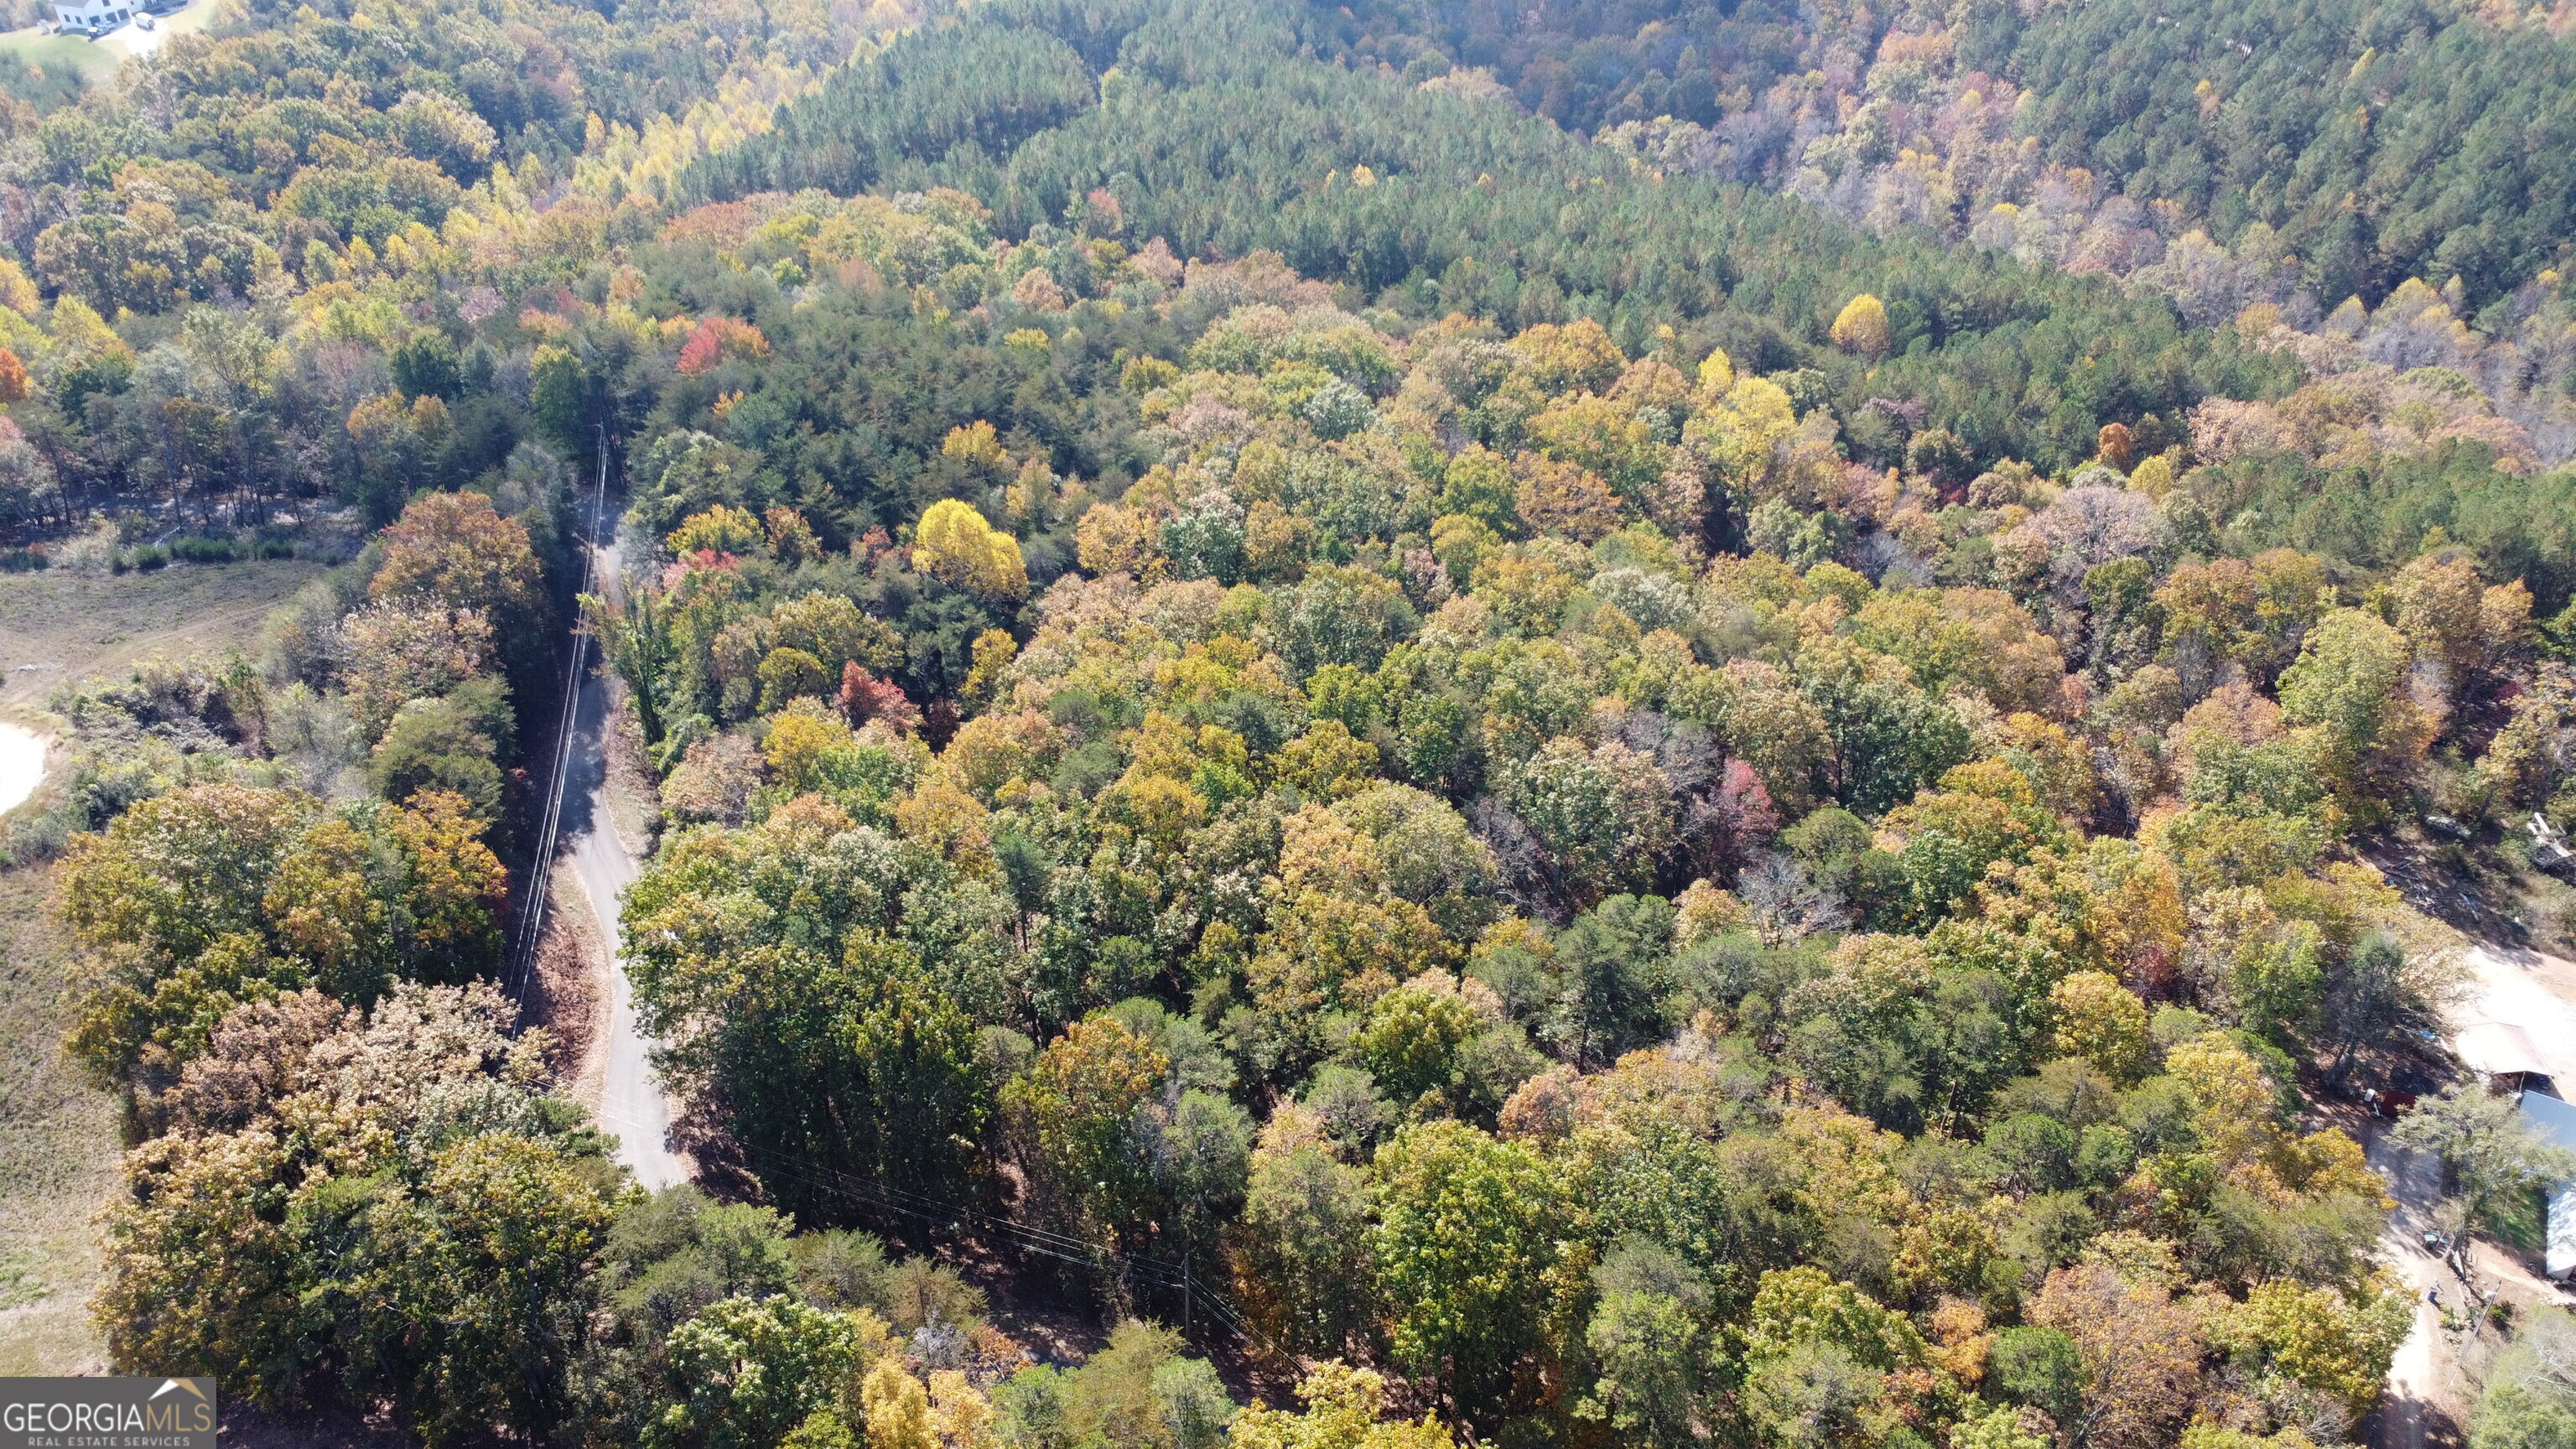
64, 625
59, 1136
58, 1147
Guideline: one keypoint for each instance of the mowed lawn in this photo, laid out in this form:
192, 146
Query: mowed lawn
58, 1135
88, 59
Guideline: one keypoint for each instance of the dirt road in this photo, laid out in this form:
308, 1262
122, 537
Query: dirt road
631, 1101
2422, 1377
2531, 991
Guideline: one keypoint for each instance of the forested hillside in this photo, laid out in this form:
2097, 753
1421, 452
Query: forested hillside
2378, 141
2225, 157
1537, 788
1215, 135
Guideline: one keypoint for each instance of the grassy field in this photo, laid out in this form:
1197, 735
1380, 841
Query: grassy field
88, 59
58, 1144
58, 1136
66, 625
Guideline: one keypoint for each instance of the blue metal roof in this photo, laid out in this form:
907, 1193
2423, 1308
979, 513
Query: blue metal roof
2555, 1119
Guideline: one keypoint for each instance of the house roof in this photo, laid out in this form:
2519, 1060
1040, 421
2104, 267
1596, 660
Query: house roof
2554, 1119
2495, 1049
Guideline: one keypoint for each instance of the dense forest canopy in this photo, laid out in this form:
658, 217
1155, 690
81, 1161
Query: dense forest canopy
1511, 709
2314, 158
1217, 135
2378, 141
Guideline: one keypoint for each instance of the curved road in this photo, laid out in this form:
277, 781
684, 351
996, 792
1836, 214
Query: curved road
2411, 1403
631, 1101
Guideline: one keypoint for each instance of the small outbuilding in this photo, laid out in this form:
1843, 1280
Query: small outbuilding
2503, 1057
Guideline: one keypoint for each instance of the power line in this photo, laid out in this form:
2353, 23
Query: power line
1138, 1269
1141, 1269
532, 924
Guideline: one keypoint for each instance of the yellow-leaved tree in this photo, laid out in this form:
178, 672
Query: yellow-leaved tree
1862, 326
1343, 1405
955, 545
721, 529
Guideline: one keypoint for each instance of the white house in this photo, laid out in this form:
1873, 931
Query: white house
95, 17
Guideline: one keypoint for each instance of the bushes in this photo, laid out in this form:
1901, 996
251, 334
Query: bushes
151, 558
